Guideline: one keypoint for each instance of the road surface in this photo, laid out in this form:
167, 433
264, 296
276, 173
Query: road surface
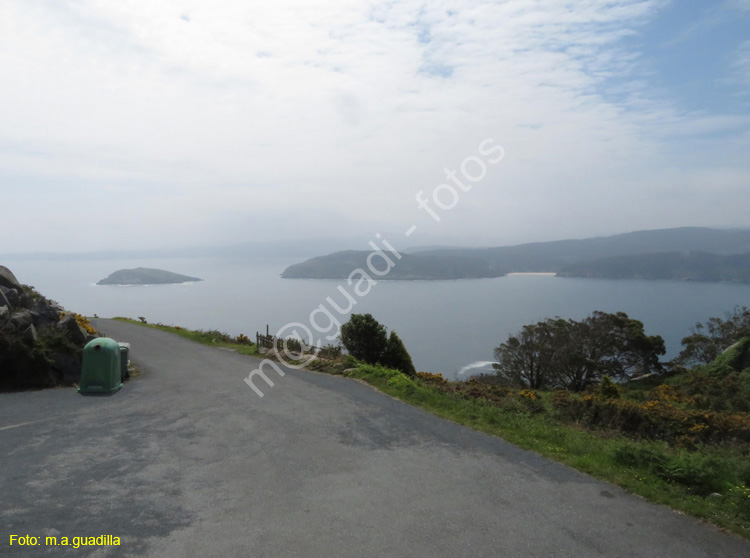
187, 460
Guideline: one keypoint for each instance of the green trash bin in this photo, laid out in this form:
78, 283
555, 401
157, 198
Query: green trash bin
100, 367
124, 361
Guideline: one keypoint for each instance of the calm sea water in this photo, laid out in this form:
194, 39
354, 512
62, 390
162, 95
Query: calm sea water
449, 327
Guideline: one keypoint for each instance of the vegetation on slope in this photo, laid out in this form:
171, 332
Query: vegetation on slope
241, 344
340, 265
683, 266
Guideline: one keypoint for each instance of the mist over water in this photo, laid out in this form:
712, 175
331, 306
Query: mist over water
449, 327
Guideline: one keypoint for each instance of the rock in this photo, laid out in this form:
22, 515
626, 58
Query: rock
44, 314
67, 367
22, 319
27, 301
11, 296
30, 335
3, 299
4, 315
7, 279
71, 328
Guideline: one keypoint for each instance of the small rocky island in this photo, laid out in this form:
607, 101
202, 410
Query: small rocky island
145, 276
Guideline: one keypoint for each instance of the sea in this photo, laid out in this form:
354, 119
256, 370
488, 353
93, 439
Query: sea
448, 327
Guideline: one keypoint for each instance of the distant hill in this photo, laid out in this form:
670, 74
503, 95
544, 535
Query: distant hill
686, 266
411, 266
145, 276
557, 256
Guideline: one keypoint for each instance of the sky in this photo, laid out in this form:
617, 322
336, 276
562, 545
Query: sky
136, 124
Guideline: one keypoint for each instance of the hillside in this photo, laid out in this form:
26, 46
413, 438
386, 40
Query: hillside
145, 276
555, 256
340, 265
685, 266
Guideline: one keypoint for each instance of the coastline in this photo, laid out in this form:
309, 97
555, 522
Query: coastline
550, 273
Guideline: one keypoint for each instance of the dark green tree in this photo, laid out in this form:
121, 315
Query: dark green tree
364, 338
605, 344
527, 359
576, 354
396, 356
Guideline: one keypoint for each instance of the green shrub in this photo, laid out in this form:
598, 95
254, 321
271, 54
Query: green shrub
364, 337
401, 382
639, 457
701, 473
608, 389
22, 365
351, 362
396, 356
738, 496
54, 340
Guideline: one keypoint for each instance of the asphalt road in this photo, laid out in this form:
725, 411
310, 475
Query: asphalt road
187, 460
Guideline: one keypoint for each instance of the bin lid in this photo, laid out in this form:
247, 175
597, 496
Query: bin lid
100, 343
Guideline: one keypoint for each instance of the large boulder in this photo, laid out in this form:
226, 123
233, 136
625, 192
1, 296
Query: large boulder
7, 279
66, 367
3, 299
44, 314
4, 315
71, 328
30, 335
22, 319
26, 300
11, 295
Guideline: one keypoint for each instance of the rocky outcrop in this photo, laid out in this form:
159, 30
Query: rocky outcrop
40, 344
8, 280
44, 314
66, 368
21, 319
72, 330
11, 295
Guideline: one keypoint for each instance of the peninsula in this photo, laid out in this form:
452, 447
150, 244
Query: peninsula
688, 253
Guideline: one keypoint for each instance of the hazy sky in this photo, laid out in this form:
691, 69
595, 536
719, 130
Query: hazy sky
145, 123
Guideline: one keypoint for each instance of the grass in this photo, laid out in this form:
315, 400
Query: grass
711, 483
676, 478
213, 338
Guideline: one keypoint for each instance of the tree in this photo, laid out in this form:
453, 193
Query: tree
527, 358
605, 344
396, 356
364, 338
709, 340
576, 354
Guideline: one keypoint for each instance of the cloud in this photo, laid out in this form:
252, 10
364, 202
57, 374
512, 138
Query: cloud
742, 63
313, 114
743, 5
